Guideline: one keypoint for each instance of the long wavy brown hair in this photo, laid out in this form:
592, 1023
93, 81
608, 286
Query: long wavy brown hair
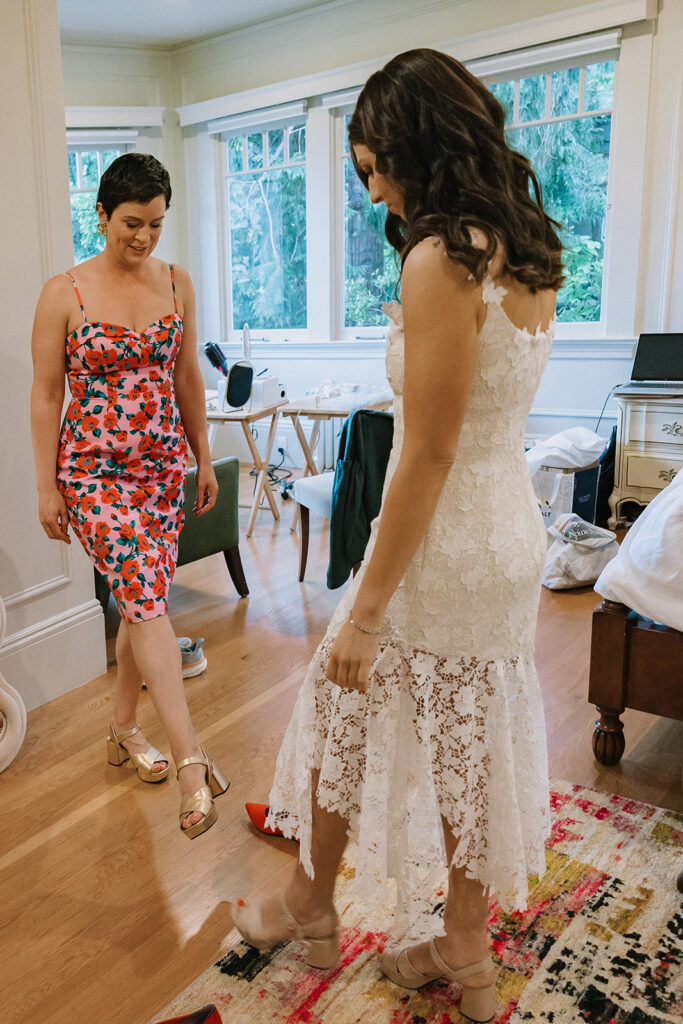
439, 135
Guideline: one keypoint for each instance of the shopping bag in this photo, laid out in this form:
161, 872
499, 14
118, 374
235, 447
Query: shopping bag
578, 553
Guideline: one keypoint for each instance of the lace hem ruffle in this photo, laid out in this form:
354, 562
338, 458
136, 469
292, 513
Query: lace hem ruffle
433, 736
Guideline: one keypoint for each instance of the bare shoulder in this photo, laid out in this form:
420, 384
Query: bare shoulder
57, 293
429, 269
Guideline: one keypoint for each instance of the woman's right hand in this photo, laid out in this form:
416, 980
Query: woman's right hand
53, 515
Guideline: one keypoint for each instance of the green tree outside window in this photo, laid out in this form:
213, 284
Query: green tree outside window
267, 218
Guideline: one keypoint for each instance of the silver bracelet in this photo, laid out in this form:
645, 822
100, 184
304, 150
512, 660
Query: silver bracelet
365, 629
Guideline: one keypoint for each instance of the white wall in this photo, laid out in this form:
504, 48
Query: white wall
55, 633
339, 34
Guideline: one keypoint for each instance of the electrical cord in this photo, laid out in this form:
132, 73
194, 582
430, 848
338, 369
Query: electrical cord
276, 474
604, 405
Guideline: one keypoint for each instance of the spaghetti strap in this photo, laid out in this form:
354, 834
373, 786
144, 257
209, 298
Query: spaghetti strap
175, 297
78, 294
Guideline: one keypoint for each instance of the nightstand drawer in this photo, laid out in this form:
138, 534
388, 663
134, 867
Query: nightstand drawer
646, 471
663, 426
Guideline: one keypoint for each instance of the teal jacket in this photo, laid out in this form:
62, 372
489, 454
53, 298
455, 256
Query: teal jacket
364, 447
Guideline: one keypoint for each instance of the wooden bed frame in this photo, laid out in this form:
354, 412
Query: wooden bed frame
634, 664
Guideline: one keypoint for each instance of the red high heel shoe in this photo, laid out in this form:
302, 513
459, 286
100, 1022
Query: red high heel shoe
257, 816
207, 1015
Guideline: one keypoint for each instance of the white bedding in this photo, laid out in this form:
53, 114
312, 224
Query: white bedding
647, 574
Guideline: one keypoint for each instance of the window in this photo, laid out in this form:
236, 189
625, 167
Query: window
86, 166
370, 267
266, 212
562, 122
301, 251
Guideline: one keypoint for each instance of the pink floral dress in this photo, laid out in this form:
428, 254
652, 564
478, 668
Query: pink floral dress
122, 456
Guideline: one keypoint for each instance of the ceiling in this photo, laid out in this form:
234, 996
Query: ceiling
167, 23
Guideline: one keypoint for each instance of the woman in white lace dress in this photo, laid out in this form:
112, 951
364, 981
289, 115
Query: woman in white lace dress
419, 730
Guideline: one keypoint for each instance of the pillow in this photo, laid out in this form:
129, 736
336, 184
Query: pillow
647, 574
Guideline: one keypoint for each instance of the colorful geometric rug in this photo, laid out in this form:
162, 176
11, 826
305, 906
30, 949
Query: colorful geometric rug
601, 942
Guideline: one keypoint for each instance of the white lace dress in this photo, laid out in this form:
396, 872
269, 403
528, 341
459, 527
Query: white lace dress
452, 722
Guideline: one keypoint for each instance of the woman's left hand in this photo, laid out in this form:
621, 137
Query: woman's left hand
351, 658
207, 490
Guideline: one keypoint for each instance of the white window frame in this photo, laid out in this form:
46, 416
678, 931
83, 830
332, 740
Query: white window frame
368, 332
631, 48
98, 141
239, 126
136, 129
578, 329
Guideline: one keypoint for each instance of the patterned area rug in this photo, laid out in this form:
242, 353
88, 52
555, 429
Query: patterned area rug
601, 942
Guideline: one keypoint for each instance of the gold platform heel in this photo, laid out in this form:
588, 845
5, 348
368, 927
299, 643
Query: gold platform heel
143, 763
202, 800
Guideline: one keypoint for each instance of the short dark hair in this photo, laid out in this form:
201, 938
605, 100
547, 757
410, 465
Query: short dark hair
133, 178
439, 135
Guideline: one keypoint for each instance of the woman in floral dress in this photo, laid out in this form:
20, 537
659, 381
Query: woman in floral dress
124, 324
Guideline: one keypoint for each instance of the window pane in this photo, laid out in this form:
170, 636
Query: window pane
565, 92
599, 89
268, 249
235, 155
532, 98
73, 171
276, 147
255, 150
297, 143
87, 240
108, 157
571, 159
89, 170
505, 94
370, 269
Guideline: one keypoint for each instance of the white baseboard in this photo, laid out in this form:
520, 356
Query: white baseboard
56, 655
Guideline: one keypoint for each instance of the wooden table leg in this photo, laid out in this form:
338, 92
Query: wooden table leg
307, 447
211, 430
310, 468
261, 466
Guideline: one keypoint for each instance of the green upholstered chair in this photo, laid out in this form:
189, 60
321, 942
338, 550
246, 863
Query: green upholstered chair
217, 530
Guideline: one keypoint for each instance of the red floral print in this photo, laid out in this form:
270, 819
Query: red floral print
122, 458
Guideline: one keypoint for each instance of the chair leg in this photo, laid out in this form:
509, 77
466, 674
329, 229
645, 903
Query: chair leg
102, 591
303, 552
234, 564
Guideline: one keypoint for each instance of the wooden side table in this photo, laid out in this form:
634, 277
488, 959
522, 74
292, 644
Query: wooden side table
649, 449
246, 417
326, 410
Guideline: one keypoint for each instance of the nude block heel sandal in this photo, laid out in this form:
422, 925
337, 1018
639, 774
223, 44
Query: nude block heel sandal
322, 953
323, 948
479, 1004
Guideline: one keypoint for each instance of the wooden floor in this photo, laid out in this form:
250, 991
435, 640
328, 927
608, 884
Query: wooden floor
107, 911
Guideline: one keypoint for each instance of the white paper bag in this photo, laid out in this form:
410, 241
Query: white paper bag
577, 554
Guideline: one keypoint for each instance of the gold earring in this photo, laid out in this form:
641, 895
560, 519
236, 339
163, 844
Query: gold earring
102, 227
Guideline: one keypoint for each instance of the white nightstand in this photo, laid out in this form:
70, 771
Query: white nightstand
649, 448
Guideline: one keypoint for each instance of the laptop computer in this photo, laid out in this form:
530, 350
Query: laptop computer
657, 367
